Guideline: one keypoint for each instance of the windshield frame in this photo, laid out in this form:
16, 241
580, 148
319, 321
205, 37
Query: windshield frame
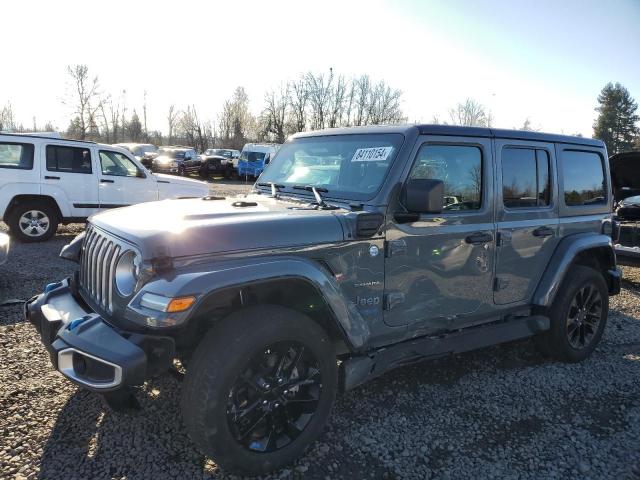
331, 194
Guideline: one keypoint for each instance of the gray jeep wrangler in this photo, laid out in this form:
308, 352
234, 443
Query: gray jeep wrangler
358, 250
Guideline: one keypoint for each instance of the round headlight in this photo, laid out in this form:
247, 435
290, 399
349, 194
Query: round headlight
127, 270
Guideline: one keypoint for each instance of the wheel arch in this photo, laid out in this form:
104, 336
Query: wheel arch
588, 249
24, 198
300, 284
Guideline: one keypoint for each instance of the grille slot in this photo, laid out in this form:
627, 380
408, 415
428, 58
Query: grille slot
100, 254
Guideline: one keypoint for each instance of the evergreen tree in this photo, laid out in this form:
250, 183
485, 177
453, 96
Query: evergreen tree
616, 123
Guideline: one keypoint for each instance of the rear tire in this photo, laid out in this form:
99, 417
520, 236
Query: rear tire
259, 389
33, 221
578, 316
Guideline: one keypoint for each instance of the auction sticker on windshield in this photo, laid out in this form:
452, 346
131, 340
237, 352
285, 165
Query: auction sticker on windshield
375, 154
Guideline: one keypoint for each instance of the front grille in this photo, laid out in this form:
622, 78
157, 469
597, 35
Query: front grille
100, 254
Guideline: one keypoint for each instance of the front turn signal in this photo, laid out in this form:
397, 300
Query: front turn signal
180, 304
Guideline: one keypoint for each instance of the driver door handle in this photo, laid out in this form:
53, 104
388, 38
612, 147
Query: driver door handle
479, 238
104, 180
543, 232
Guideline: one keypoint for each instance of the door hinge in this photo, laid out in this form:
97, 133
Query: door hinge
500, 284
392, 300
393, 248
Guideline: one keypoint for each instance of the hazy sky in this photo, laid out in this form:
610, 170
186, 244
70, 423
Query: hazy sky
546, 60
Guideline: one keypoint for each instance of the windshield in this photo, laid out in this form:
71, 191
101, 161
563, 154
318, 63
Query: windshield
347, 166
252, 156
220, 152
172, 153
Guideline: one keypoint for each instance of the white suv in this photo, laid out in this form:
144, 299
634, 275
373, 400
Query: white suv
46, 181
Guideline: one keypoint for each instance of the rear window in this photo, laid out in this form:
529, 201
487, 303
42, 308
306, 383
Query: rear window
16, 155
68, 159
583, 176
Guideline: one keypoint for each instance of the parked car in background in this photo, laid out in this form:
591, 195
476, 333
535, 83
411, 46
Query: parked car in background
46, 181
178, 159
352, 263
254, 158
144, 152
625, 179
219, 161
4, 247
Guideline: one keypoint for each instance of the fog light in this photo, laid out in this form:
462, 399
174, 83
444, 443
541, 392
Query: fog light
79, 364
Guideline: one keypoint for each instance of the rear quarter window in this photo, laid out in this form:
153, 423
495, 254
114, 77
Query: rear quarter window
583, 178
16, 155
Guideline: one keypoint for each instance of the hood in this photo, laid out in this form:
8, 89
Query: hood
179, 228
625, 175
180, 180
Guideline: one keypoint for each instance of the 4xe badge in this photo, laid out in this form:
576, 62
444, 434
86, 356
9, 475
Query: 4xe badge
374, 251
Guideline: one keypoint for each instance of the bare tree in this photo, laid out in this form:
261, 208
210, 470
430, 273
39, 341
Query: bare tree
236, 123
134, 128
85, 98
319, 91
192, 129
274, 115
337, 97
384, 105
299, 98
172, 117
362, 87
470, 114
144, 115
7, 118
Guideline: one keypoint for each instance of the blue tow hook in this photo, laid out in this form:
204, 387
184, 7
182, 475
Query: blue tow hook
52, 286
74, 323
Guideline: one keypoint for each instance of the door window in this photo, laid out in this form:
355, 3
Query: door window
117, 164
583, 177
525, 178
459, 167
16, 155
68, 159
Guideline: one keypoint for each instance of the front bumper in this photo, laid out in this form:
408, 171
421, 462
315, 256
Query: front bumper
159, 168
89, 351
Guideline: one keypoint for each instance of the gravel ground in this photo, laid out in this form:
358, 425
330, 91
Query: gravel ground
502, 412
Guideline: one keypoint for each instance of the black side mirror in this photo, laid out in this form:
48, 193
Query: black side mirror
423, 195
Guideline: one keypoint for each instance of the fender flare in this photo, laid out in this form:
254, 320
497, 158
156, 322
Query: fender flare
236, 274
561, 260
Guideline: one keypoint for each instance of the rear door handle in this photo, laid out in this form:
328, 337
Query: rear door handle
49, 177
104, 180
543, 232
479, 238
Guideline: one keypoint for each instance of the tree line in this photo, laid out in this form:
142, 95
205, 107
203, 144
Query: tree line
310, 102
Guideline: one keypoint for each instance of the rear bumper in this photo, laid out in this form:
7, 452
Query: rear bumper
629, 256
87, 350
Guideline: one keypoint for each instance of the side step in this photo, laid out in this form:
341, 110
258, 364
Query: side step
358, 370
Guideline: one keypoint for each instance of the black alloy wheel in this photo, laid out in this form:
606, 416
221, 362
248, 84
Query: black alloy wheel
275, 397
584, 316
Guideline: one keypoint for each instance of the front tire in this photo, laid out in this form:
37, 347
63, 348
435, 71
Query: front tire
259, 389
33, 222
578, 316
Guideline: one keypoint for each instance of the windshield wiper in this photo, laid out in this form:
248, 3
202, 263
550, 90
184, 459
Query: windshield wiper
316, 193
275, 187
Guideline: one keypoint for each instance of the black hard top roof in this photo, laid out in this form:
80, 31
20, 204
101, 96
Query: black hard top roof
458, 131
